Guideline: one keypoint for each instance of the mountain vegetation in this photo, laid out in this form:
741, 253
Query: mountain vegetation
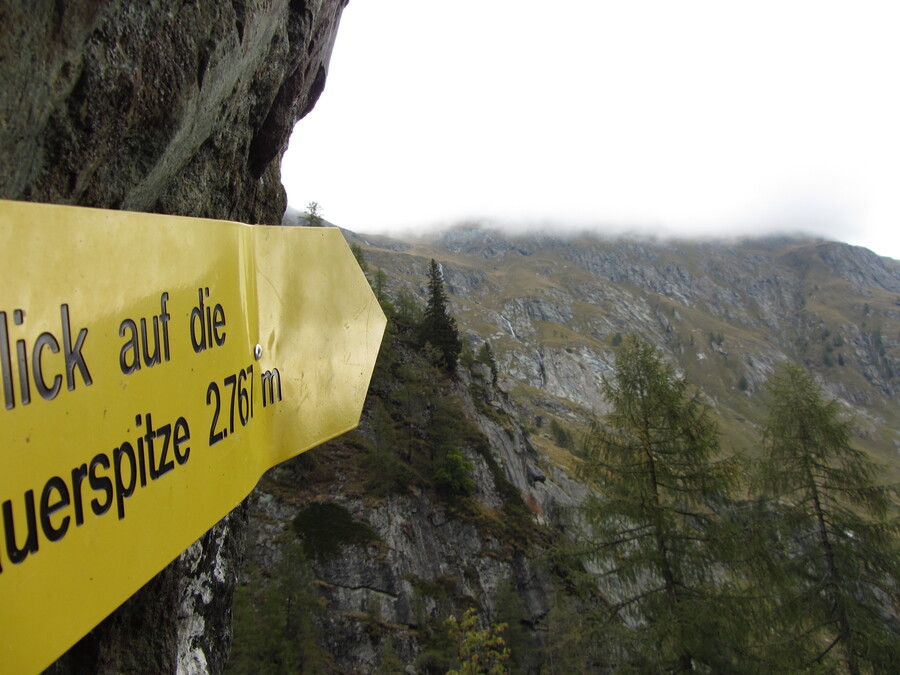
836, 560
438, 327
580, 456
653, 527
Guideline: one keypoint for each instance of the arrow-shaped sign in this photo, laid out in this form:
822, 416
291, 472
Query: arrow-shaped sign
151, 369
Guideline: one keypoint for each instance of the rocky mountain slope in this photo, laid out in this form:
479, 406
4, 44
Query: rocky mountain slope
389, 551
726, 313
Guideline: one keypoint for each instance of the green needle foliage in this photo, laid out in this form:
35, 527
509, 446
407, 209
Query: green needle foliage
652, 535
438, 328
275, 629
480, 651
313, 215
834, 553
486, 356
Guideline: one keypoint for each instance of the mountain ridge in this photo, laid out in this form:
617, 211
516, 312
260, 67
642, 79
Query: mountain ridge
726, 313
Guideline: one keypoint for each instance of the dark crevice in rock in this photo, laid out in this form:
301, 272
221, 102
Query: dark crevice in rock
240, 13
271, 139
379, 591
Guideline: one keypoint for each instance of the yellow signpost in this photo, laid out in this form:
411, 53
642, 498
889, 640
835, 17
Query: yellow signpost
151, 369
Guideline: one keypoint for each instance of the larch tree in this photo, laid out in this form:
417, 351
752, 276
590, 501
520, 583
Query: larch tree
834, 547
438, 327
651, 534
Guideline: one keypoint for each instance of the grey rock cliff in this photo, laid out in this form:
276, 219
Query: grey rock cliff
184, 108
726, 312
430, 559
171, 107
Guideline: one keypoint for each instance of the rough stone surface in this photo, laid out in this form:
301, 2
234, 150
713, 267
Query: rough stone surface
180, 107
553, 308
427, 553
171, 107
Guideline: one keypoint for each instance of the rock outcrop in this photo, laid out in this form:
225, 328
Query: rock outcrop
553, 309
427, 556
181, 108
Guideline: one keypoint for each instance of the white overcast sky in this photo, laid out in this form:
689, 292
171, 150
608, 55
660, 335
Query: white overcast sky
691, 117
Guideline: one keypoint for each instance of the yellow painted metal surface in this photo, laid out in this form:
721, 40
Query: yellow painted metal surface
135, 408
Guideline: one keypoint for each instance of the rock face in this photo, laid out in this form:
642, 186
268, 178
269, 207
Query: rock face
183, 108
726, 313
428, 558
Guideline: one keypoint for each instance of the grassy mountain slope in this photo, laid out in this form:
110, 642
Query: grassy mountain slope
554, 308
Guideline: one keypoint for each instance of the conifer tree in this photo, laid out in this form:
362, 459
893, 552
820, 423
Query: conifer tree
360, 256
510, 610
275, 629
438, 327
486, 356
834, 553
313, 215
479, 651
379, 287
409, 314
652, 533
